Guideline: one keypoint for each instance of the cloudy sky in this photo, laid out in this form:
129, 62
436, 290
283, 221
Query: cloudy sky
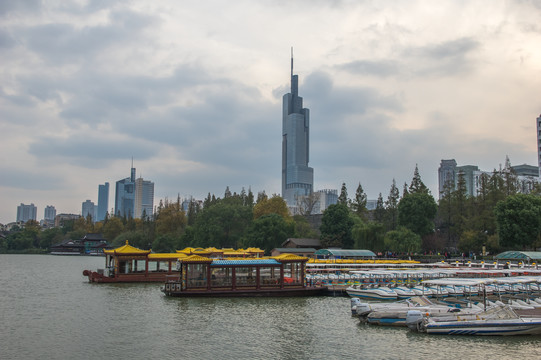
192, 90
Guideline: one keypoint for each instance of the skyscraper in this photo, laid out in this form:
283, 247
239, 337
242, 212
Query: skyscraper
125, 196
88, 208
144, 198
134, 197
297, 176
50, 213
103, 201
26, 212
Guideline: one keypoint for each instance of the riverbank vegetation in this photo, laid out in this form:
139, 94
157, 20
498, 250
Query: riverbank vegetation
498, 218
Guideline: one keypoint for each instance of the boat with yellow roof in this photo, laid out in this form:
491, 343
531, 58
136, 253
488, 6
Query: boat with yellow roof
282, 275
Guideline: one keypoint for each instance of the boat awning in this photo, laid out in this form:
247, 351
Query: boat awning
520, 255
244, 262
344, 253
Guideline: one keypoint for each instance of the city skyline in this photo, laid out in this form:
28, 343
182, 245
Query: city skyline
195, 96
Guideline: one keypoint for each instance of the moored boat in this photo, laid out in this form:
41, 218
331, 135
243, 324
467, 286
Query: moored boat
282, 275
496, 321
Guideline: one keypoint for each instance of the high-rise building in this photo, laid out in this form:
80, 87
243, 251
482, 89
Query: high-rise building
26, 212
527, 176
103, 201
297, 176
125, 196
134, 197
50, 213
88, 208
144, 198
539, 143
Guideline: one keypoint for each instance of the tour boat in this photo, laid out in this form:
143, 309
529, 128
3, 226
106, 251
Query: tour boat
282, 275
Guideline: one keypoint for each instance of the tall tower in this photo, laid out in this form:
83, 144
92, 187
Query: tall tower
297, 176
103, 201
125, 195
539, 143
144, 198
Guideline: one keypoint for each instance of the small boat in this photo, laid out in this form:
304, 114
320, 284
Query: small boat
495, 321
372, 292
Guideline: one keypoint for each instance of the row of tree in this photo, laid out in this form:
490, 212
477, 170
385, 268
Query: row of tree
497, 218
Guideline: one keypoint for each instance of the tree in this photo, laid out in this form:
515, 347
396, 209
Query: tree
306, 204
113, 228
222, 224
274, 205
165, 243
343, 197
417, 185
519, 221
368, 236
268, 232
303, 228
170, 219
336, 226
416, 212
379, 212
402, 240
359, 202
392, 207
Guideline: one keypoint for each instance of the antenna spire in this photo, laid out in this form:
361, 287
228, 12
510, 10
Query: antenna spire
292, 61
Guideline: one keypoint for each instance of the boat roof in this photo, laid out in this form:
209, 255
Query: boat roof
127, 249
344, 252
246, 262
520, 255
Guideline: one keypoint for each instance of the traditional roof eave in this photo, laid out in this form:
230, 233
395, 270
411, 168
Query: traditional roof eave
127, 250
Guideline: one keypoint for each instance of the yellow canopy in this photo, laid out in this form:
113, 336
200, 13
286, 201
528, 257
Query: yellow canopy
166, 256
127, 249
287, 256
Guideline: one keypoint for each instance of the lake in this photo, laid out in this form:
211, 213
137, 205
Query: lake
49, 311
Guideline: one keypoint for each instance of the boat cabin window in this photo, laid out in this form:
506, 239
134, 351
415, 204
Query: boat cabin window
293, 273
196, 275
269, 276
222, 277
246, 276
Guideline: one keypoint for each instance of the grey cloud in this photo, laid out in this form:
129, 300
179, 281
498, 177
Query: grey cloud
91, 151
446, 58
381, 68
64, 43
24, 6
31, 178
6, 39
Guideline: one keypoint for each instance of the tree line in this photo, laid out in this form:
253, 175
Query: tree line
499, 217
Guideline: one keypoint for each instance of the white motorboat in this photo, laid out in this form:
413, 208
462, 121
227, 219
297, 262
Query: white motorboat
496, 321
372, 292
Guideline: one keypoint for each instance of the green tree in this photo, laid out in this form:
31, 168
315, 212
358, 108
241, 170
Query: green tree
402, 240
303, 228
358, 204
417, 185
519, 221
368, 236
391, 207
379, 212
336, 226
268, 232
416, 212
166, 243
343, 197
171, 219
112, 228
222, 224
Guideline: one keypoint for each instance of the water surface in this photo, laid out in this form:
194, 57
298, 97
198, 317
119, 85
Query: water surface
48, 310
